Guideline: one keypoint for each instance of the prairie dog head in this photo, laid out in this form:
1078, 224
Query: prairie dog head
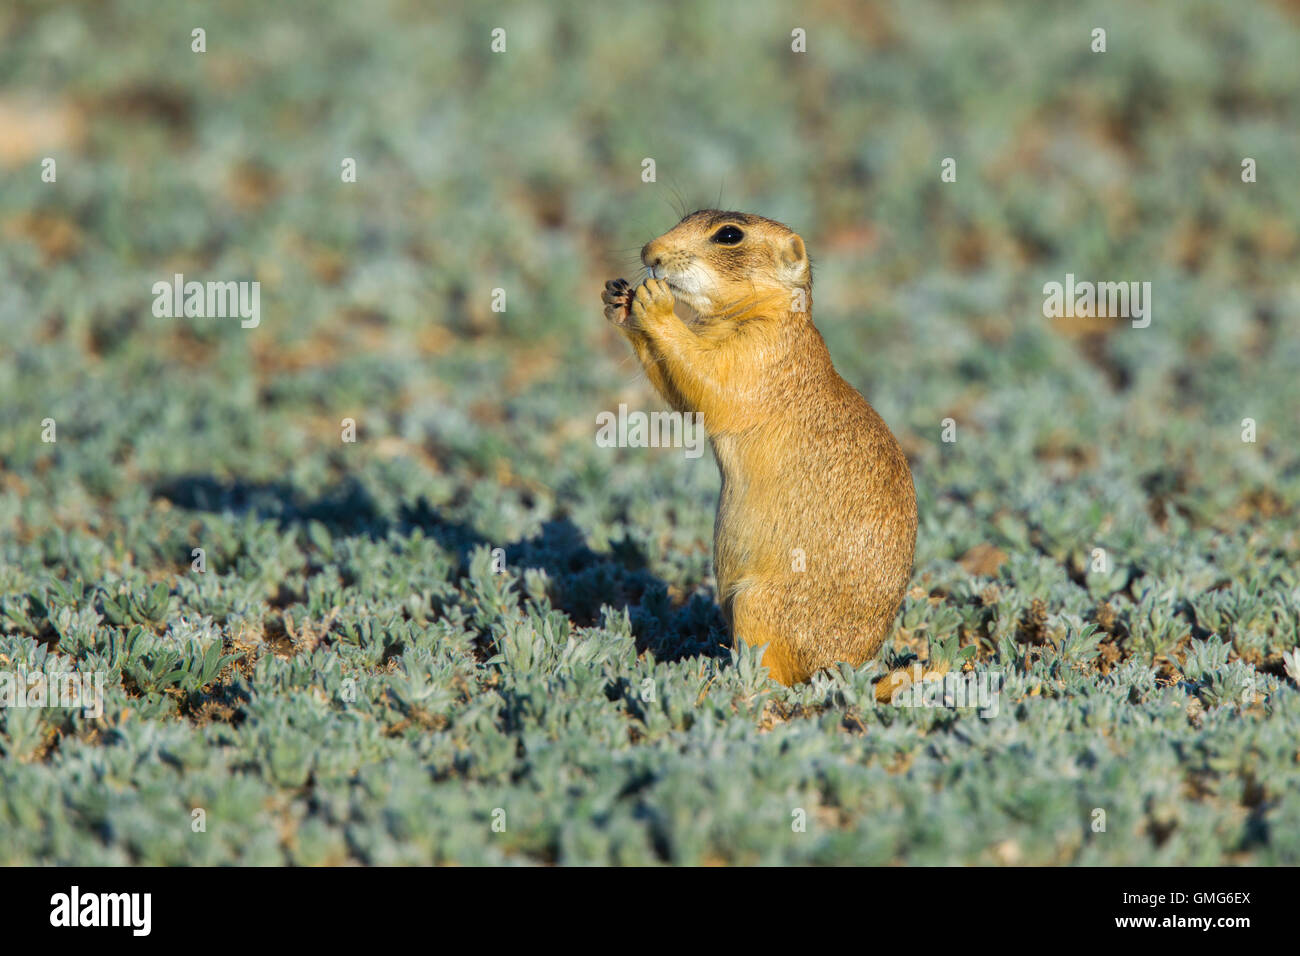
732, 264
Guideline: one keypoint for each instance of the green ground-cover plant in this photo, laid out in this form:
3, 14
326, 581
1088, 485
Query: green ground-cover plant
475, 636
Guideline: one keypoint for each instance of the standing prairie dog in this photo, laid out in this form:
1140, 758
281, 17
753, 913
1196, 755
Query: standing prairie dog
816, 523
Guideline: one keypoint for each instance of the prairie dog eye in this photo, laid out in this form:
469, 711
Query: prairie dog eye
728, 236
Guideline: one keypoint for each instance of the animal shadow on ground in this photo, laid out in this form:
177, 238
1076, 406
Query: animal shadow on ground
581, 580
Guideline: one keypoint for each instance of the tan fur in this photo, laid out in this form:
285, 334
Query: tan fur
806, 463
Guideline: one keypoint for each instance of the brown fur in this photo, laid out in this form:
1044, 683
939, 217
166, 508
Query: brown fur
806, 463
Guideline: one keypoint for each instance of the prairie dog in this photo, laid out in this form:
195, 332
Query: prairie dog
816, 523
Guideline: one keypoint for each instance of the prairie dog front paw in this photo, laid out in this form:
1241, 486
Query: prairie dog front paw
652, 302
617, 298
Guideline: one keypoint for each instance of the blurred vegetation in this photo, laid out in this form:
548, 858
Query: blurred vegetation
1157, 690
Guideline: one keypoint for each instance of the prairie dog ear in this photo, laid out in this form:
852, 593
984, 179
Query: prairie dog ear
793, 252
794, 261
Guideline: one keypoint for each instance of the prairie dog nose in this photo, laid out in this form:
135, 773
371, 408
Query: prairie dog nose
651, 255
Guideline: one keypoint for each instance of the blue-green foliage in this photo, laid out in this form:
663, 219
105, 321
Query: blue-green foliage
353, 679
